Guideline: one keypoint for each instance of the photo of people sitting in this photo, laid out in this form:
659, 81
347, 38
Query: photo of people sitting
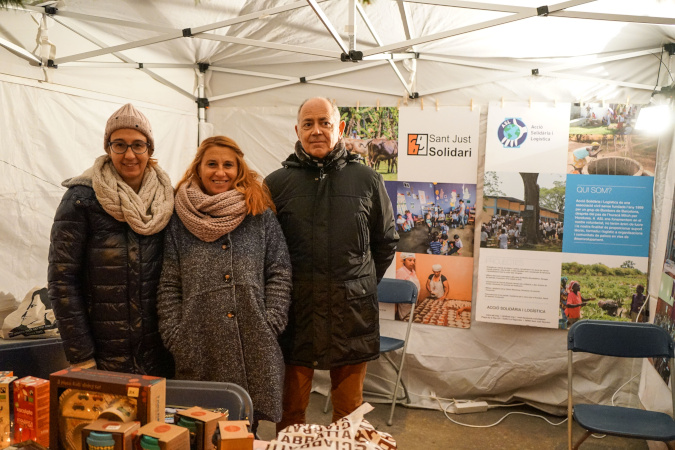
434, 218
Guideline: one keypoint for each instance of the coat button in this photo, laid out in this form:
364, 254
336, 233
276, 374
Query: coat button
363, 291
316, 363
227, 278
230, 315
77, 202
224, 247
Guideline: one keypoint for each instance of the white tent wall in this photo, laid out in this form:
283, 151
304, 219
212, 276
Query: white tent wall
48, 136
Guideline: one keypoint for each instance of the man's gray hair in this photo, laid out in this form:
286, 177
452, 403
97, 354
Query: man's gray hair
336, 112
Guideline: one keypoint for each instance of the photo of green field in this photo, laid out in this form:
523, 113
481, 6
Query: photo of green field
610, 288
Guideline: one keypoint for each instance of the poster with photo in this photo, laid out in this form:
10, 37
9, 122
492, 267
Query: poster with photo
435, 209
372, 133
567, 211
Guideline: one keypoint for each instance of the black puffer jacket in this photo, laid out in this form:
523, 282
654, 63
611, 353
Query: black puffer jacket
341, 235
103, 281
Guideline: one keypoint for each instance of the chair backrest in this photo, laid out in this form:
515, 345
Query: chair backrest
211, 394
621, 339
396, 291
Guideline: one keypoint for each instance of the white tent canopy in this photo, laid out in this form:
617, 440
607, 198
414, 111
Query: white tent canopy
66, 66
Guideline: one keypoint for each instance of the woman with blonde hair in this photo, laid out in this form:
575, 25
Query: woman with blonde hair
226, 281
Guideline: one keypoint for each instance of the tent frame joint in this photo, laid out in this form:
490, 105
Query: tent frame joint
203, 67
414, 95
353, 56
50, 63
187, 32
535, 72
670, 48
51, 10
202, 102
303, 79
542, 10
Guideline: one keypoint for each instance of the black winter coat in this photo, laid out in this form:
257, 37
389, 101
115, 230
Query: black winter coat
339, 226
103, 281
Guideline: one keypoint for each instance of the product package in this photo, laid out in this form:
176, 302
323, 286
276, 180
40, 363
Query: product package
202, 425
5, 407
234, 435
31, 410
80, 396
162, 436
352, 431
120, 434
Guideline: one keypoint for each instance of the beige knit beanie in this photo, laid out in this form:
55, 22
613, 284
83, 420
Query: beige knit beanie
128, 117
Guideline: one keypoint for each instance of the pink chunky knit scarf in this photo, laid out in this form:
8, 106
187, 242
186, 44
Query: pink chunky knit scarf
209, 216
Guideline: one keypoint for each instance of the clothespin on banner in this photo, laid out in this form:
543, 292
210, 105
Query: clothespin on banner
471, 105
422, 103
502, 102
357, 105
436, 104
378, 104
627, 100
398, 104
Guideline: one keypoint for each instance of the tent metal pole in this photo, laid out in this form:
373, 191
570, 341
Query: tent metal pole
20, 52
523, 14
647, 87
371, 28
329, 26
126, 65
351, 28
251, 73
472, 5
188, 32
124, 58
462, 62
591, 61
404, 11
254, 90
455, 86
272, 45
614, 17
355, 88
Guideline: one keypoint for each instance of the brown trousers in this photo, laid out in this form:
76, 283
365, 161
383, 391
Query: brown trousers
346, 392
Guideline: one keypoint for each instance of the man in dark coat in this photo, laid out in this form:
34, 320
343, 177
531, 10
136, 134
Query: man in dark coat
339, 226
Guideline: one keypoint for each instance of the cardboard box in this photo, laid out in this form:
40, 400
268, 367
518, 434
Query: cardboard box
5, 409
31, 410
234, 435
96, 387
171, 437
206, 423
122, 433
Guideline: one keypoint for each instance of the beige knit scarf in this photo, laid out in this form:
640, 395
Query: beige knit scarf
147, 212
209, 216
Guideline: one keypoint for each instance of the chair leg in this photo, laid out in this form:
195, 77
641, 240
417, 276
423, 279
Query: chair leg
397, 371
325, 407
583, 438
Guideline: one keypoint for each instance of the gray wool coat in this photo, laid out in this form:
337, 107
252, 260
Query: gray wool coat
222, 305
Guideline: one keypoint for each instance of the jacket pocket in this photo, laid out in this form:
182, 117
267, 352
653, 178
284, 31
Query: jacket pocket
362, 314
364, 233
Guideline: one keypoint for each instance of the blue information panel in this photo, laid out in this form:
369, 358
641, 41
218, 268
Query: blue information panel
607, 214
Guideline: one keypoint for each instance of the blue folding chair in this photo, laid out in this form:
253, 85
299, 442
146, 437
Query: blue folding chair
211, 395
622, 340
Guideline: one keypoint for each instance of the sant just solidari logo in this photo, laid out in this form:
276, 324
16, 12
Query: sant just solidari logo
418, 144
512, 132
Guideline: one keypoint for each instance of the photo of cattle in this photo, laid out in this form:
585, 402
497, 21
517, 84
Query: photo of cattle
372, 132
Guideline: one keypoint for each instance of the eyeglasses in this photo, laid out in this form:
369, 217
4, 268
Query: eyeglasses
138, 147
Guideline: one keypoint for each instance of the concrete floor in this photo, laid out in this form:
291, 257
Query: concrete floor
428, 429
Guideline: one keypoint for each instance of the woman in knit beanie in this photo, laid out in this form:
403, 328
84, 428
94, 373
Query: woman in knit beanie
225, 288
105, 256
